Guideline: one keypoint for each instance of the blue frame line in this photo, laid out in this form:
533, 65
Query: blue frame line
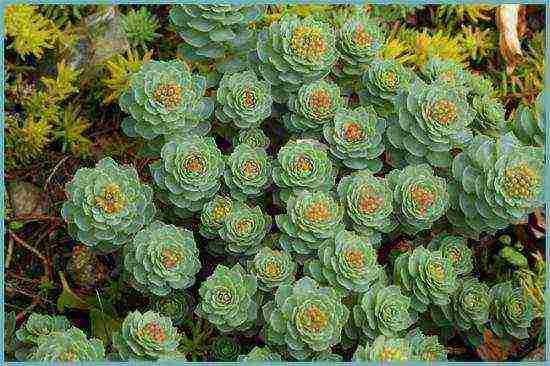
378, 2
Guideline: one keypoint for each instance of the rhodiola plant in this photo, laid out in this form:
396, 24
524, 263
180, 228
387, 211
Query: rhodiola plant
305, 317
107, 205
165, 98
304, 178
294, 51
161, 259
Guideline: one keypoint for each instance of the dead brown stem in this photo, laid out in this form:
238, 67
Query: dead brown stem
46, 263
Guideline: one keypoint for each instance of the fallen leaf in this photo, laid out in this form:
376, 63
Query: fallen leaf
103, 326
493, 348
68, 299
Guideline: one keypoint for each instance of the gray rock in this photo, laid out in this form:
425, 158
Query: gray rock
100, 36
26, 199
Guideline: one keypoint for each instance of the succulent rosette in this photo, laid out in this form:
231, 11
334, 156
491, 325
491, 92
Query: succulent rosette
355, 138
244, 229
209, 30
213, 215
470, 305
381, 82
360, 39
339, 184
165, 98
384, 349
511, 311
383, 310
272, 269
70, 345
260, 354
489, 114
303, 164
449, 72
311, 217
177, 306
455, 249
253, 137
293, 52
189, 172
368, 201
419, 197
248, 171
243, 100
161, 258
313, 106
433, 119
529, 122
518, 179
478, 85
107, 205
305, 317
225, 349
426, 277
347, 262
38, 325
228, 299
146, 337
498, 183
425, 348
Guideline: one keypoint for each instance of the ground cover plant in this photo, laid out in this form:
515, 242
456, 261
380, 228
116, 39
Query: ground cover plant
274, 183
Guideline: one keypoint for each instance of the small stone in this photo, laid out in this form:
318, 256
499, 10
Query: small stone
100, 36
26, 199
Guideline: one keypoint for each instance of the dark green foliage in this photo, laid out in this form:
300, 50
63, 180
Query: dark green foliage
225, 349
177, 306
140, 27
